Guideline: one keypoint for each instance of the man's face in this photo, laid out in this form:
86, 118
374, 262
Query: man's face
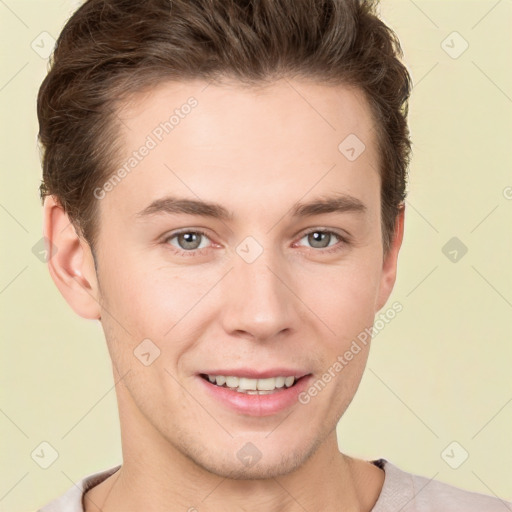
263, 293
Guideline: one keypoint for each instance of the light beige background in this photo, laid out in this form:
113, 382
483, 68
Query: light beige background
438, 373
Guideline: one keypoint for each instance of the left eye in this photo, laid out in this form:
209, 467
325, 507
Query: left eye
318, 237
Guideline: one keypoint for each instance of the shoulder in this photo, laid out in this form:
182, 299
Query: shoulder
409, 492
71, 500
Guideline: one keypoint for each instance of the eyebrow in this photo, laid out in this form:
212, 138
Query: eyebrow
339, 203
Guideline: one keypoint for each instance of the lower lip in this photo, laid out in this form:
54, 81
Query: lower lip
256, 405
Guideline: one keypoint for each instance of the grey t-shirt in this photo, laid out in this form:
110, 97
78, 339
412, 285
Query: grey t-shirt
402, 491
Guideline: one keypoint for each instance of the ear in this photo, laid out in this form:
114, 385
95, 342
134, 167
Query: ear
70, 261
389, 265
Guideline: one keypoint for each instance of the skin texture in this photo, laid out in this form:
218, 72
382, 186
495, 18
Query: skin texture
257, 152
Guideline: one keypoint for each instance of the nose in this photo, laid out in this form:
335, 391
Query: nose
257, 298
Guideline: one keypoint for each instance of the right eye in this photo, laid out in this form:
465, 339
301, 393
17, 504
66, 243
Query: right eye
187, 241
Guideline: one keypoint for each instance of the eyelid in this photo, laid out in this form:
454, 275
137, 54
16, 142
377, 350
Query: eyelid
344, 240
174, 234
342, 235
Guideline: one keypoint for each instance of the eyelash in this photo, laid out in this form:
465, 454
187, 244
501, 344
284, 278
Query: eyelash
180, 252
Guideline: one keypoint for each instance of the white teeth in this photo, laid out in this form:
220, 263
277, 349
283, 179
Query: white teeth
248, 384
280, 382
252, 386
232, 382
289, 381
267, 384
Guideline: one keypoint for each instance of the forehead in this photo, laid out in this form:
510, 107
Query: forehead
287, 107
237, 142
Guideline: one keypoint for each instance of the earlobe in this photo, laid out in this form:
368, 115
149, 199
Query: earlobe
389, 266
70, 261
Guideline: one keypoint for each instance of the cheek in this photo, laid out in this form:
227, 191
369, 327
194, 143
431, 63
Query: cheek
163, 305
158, 302
144, 296
343, 297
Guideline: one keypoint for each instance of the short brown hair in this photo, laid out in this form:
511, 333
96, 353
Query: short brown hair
112, 48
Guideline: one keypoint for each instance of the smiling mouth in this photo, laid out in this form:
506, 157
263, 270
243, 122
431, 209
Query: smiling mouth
249, 386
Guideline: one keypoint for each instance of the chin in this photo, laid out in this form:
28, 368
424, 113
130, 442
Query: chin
250, 463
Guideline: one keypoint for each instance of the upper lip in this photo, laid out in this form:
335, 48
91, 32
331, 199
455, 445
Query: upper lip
258, 374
